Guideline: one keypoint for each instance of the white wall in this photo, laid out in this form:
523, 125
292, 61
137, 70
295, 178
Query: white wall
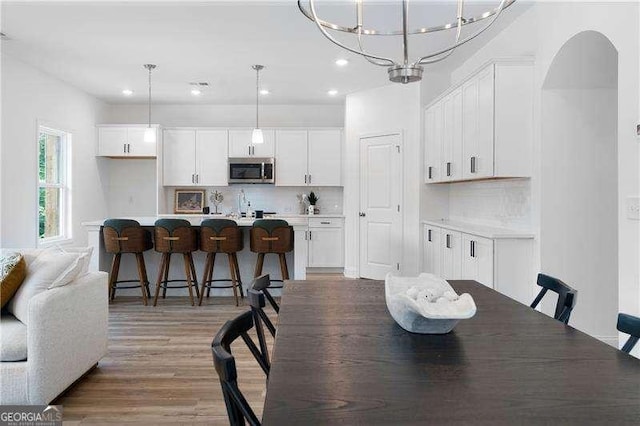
389, 108
229, 115
29, 95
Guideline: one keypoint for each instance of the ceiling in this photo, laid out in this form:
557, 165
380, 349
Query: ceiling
100, 46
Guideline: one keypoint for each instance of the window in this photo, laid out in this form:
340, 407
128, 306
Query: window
54, 172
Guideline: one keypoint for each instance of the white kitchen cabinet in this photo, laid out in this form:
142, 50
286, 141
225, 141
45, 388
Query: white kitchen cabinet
291, 158
325, 157
478, 119
124, 141
432, 250
496, 257
240, 145
326, 242
477, 259
486, 128
433, 141
451, 254
452, 137
309, 158
195, 157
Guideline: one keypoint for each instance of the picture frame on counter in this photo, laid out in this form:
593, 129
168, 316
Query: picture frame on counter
189, 201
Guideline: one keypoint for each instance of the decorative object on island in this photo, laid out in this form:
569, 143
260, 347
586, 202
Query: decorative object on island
150, 133
216, 198
313, 199
302, 203
257, 136
426, 304
403, 71
189, 201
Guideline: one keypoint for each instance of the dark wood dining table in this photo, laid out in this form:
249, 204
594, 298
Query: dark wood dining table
340, 358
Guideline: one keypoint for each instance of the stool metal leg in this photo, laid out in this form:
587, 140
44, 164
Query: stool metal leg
115, 269
187, 271
141, 276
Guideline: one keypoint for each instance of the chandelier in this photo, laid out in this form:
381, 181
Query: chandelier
403, 71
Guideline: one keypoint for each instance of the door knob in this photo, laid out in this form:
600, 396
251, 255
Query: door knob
362, 214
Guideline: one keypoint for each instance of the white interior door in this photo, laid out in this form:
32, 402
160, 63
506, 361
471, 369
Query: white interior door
380, 199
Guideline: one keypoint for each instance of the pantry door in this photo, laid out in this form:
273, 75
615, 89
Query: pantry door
380, 205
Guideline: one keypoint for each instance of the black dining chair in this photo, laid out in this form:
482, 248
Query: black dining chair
238, 409
630, 325
262, 284
567, 296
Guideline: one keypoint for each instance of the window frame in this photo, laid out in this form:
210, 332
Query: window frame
64, 184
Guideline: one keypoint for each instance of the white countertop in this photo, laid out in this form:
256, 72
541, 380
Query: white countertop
196, 219
480, 230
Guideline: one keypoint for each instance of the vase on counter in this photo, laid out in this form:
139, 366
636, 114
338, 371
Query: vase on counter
311, 209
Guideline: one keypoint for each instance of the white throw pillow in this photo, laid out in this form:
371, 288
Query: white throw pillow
41, 274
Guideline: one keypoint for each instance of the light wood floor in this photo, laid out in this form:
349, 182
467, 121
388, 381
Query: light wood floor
159, 367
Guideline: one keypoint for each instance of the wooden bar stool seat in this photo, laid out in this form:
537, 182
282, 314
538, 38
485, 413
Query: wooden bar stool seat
176, 236
127, 236
271, 236
221, 236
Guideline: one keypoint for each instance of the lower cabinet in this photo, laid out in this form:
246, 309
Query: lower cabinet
326, 243
501, 263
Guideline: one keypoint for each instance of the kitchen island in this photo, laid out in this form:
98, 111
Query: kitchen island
296, 260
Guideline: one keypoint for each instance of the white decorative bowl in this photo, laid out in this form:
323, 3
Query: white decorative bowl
426, 304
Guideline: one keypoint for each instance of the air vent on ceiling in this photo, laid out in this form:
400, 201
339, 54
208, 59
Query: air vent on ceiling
199, 83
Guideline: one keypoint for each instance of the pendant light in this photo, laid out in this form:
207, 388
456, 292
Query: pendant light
257, 137
150, 133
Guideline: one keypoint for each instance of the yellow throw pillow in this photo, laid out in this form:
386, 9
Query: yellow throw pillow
13, 270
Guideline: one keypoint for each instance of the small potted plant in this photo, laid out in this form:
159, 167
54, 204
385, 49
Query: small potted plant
313, 199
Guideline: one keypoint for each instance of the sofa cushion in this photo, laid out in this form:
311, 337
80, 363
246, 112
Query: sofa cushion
13, 339
41, 275
13, 270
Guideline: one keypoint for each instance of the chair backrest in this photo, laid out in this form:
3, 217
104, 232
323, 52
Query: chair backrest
567, 296
220, 236
262, 284
271, 236
630, 325
125, 236
238, 408
175, 236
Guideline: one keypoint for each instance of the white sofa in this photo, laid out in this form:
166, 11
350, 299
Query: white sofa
65, 337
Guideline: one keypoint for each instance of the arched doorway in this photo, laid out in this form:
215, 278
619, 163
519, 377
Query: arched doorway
579, 180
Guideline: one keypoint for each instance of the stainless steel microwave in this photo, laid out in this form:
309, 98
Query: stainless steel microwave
251, 170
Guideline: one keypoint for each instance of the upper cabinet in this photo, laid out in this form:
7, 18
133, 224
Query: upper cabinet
240, 145
308, 158
482, 128
194, 157
125, 142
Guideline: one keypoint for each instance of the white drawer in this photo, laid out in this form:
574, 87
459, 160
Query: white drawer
331, 222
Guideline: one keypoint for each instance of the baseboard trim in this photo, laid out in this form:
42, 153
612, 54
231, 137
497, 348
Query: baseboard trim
351, 273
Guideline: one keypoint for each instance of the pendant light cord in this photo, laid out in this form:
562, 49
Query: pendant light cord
150, 97
257, 95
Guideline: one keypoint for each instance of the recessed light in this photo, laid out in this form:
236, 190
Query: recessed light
127, 92
264, 92
196, 92
332, 92
342, 62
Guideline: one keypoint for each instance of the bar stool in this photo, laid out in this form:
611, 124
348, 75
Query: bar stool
271, 236
176, 236
221, 236
127, 236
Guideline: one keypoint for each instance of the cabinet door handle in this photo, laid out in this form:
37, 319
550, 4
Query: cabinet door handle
197, 178
193, 178
448, 241
128, 148
310, 236
305, 178
472, 247
325, 223
429, 235
124, 148
430, 172
473, 164
309, 178
448, 169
